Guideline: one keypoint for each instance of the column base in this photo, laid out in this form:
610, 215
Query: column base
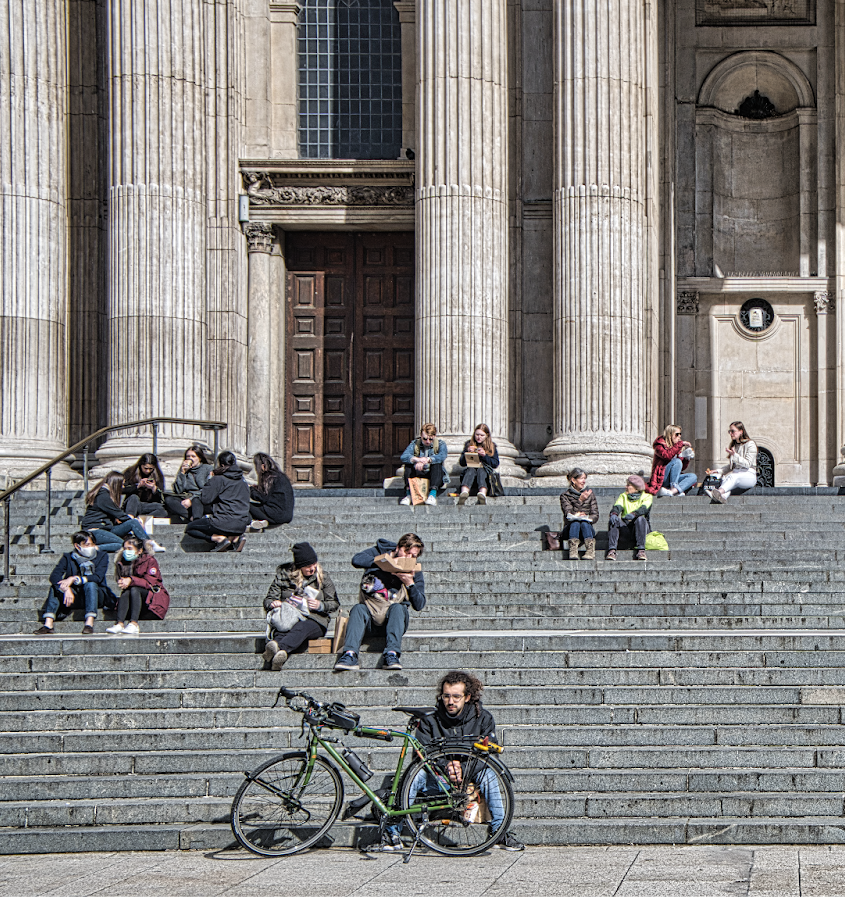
839, 471
21, 457
608, 459
509, 456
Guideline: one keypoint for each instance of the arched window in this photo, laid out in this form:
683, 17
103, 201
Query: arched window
350, 79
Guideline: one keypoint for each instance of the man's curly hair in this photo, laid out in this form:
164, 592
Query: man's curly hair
472, 685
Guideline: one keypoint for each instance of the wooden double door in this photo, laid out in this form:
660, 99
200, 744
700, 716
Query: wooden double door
350, 356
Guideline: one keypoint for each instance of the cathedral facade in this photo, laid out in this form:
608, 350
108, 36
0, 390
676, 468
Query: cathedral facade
325, 223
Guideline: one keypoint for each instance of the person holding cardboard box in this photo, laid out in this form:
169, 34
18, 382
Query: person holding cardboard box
299, 604
392, 580
423, 460
480, 457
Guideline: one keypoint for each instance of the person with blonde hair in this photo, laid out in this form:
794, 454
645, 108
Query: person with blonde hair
669, 465
424, 459
741, 470
482, 445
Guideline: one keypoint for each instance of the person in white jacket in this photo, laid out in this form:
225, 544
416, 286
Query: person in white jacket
741, 469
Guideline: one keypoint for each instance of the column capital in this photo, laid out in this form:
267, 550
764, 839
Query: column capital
407, 10
284, 13
259, 237
825, 302
687, 302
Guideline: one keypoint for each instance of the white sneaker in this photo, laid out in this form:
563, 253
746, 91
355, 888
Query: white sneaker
406, 500
664, 492
131, 629
156, 547
431, 500
117, 629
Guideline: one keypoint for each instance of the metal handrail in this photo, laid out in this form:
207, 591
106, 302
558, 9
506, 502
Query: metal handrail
83, 444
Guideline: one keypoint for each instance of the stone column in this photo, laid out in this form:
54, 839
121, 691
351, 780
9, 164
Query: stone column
157, 219
33, 221
284, 79
259, 341
226, 253
462, 221
407, 10
839, 271
825, 304
600, 376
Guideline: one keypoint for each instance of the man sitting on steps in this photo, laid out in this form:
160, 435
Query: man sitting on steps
384, 597
459, 714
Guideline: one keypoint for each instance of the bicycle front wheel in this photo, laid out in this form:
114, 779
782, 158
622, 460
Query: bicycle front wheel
480, 800
284, 807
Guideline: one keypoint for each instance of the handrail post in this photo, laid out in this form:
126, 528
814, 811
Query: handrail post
6, 540
48, 548
155, 438
216, 446
85, 467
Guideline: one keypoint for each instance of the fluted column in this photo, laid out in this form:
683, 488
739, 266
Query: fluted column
226, 256
156, 306
462, 221
600, 379
260, 239
33, 221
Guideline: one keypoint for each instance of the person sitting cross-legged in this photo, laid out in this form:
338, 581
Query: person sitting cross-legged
299, 604
423, 459
384, 599
458, 715
80, 574
630, 511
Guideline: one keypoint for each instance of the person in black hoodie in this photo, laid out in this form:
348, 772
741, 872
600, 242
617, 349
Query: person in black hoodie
226, 494
143, 487
80, 573
272, 498
459, 714
107, 523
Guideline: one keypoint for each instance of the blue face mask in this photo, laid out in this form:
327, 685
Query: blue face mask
129, 554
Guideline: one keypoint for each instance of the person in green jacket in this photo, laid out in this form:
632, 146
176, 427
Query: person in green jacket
631, 511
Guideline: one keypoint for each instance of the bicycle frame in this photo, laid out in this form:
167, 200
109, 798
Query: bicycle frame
315, 739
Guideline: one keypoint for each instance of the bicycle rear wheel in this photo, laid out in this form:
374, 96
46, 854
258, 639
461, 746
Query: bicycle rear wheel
281, 809
469, 826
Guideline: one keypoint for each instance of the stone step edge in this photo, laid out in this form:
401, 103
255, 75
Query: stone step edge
623, 831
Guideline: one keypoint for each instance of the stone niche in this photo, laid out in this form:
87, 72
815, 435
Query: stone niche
755, 168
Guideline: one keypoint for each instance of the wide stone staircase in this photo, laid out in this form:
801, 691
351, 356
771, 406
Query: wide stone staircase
695, 697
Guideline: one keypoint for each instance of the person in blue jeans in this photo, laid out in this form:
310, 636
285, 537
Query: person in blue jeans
107, 522
80, 574
459, 714
384, 598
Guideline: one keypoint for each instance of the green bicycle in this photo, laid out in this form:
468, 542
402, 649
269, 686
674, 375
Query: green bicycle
456, 796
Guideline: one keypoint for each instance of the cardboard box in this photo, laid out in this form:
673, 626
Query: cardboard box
320, 646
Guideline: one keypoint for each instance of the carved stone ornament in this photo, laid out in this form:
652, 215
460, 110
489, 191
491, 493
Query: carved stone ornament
756, 106
825, 302
687, 302
259, 237
261, 191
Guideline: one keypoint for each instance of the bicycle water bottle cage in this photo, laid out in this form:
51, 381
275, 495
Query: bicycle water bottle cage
340, 718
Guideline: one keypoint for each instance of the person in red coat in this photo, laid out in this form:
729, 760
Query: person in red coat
139, 578
668, 469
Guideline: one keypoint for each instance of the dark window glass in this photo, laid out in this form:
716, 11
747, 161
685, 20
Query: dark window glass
350, 79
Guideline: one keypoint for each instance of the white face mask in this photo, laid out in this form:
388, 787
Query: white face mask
88, 551
129, 554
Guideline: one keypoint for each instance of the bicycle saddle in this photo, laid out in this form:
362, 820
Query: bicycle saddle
416, 711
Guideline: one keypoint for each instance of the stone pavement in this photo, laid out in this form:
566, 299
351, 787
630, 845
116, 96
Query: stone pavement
538, 872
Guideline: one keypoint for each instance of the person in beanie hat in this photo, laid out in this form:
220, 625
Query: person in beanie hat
630, 511
299, 604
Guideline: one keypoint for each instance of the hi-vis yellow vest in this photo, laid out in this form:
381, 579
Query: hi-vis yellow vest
629, 505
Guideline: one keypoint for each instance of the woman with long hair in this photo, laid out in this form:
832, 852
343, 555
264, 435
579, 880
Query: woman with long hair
580, 515
668, 467
741, 470
143, 486
188, 485
272, 499
138, 576
483, 446
299, 604
104, 519
226, 499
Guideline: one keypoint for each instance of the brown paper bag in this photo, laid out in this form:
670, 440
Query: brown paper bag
397, 565
473, 459
419, 487
340, 623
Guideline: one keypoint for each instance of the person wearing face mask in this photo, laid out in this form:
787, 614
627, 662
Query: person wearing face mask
139, 577
630, 512
80, 575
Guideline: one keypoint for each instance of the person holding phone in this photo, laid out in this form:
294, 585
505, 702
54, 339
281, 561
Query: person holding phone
143, 486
